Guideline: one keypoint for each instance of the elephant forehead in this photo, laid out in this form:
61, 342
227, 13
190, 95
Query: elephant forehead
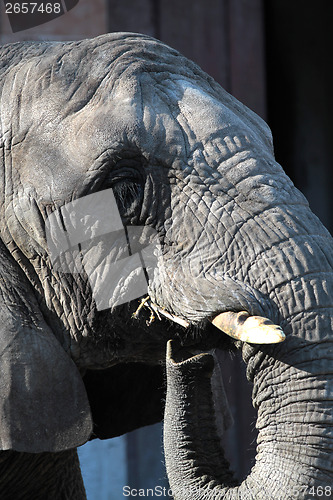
203, 112
184, 115
109, 121
64, 140
206, 117
43, 165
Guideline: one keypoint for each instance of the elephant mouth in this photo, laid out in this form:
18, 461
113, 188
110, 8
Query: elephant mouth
238, 325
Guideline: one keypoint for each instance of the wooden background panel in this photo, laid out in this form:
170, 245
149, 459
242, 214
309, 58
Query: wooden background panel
129, 15
247, 54
226, 38
199, 30
300, 83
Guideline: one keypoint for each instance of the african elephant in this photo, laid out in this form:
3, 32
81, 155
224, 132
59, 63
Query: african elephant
125, 115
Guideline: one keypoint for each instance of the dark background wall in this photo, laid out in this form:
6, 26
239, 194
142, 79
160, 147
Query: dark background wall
299, 44
276, 57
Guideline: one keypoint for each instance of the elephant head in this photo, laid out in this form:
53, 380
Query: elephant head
124, 116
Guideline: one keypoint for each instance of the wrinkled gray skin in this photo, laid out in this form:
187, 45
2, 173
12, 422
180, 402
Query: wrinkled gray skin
127, 112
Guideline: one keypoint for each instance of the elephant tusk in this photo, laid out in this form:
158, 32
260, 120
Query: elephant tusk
252, 329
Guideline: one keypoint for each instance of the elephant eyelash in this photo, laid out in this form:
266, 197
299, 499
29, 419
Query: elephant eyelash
128, 195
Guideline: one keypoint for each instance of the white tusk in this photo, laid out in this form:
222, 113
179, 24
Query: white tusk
252, 329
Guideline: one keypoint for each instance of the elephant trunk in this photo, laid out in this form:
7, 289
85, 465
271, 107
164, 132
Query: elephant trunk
293, 394
194, 459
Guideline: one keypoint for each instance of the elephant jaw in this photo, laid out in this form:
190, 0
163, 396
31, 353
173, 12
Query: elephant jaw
238, 325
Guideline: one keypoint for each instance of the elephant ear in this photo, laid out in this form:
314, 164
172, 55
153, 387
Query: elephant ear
43, 402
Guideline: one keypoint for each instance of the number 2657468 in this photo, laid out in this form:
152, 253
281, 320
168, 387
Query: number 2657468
33, 7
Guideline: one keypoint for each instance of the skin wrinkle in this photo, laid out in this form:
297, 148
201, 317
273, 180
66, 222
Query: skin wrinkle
267, 267
166, 101
261, 254
249, 214
55, 305
251, 120
295, 350
284, 272
65, 307
292, 316
208, 227
212, 149
40, 476
282, 241
281, 390
194, 215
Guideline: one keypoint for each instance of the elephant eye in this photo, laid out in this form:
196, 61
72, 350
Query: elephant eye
128, 194
126, 177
